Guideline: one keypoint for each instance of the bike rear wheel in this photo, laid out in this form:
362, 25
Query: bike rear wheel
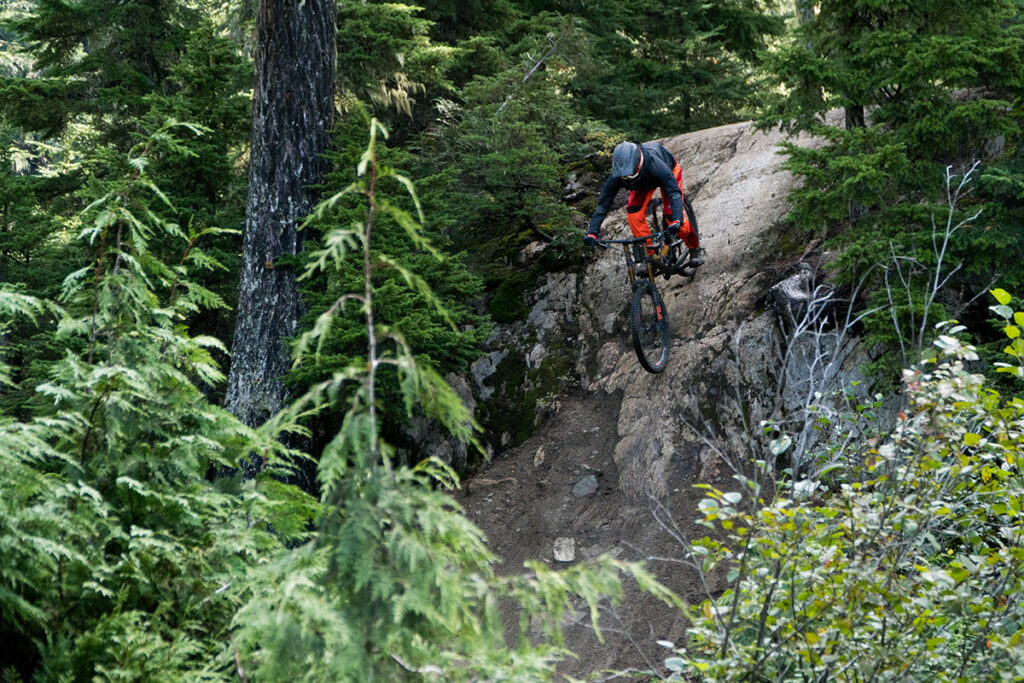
648, 323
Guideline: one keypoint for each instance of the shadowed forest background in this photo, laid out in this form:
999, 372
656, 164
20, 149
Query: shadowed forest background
244, 246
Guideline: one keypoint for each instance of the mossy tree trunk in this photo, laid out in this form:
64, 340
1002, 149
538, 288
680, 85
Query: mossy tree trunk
293, 104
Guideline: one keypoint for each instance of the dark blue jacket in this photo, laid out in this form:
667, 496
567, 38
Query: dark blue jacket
656, 172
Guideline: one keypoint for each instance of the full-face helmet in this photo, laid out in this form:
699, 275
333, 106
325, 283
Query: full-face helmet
627, 159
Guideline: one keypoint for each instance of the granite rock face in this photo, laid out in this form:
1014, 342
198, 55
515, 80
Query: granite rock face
739, 353
721, 380
728, 352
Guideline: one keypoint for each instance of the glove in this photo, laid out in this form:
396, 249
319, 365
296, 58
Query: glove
671, 232
590, 240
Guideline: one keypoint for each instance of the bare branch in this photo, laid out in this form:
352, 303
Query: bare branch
554, 48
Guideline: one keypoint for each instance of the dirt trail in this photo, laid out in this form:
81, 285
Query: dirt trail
525, 501
619, 444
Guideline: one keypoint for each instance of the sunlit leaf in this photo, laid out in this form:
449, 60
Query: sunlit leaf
1001, 295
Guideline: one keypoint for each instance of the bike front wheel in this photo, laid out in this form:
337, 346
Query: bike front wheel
648, 323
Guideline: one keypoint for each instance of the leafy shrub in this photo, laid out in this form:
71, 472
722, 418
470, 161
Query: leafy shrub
912, 570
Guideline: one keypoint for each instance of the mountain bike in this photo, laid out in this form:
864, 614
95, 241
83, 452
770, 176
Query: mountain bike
647, 257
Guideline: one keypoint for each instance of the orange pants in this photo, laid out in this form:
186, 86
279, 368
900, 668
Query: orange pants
636, 212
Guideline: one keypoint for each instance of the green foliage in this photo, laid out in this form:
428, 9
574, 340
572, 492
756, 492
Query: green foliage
1013, 322
98, 57
119, 555
209, 85
923, 86
455, 20
447, 339
1001, 194
105, 97
908, 570
503, 154
386, 57
122, 560
12, 63
906, 63
667, 68
25, 231
105, 73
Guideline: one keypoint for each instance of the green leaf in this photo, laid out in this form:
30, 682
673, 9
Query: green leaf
1012, 331
1001, 295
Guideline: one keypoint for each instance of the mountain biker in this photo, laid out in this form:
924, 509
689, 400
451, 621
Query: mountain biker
641, 169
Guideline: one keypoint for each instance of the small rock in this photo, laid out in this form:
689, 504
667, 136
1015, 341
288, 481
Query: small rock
530, 251
565, 549
536, 355
538, 458
799, 299
585, 486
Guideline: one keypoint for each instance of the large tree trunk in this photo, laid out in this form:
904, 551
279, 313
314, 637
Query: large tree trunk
293, 106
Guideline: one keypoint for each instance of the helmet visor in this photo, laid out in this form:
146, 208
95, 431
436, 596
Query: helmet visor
636, 169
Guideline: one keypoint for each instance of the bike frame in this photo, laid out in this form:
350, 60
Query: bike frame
631, 260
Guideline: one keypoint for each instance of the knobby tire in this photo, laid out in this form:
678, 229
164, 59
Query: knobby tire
648, 323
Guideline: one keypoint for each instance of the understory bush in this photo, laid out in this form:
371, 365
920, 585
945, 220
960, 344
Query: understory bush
910, 569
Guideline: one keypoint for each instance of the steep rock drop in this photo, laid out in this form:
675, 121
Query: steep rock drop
612, 463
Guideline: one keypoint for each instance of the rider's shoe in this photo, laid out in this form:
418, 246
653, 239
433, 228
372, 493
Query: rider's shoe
697, 257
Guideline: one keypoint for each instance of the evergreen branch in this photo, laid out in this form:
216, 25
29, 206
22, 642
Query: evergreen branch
420, 286
322, 327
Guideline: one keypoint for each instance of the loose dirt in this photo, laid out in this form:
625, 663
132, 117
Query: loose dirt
524, 501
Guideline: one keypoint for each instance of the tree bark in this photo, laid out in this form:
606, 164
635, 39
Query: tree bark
293, 105
855, 116
805, 11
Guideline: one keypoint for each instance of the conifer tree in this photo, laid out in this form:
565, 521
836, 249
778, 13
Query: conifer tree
923, 86
909, 65
448, 342
502, 153
96, 77
98, 58
117, 553
667, 68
